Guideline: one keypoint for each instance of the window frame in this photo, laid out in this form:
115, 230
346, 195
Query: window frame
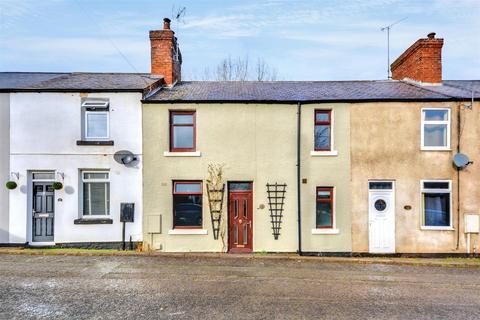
330, 125
332, 203
172, 113
174, 184
422, 207
82, 194
443, 122
87, 113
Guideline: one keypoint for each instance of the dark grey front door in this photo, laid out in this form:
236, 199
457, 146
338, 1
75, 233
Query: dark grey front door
43, 211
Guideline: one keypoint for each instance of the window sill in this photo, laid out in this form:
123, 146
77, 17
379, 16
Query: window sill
332, 153
94, 142
188, 231
93, 221
182, 154
435, 149
325, 231
437, 228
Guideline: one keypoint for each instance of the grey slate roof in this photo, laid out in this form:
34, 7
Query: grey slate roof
236, 91
298, 91
11, 81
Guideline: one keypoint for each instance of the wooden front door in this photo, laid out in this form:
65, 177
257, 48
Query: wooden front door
240, 217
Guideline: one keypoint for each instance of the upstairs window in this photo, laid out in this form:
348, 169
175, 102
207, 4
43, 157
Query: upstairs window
96, 119
96, 193
435, 129
323, 130
187, 204
436, 204
324, 214
182, 131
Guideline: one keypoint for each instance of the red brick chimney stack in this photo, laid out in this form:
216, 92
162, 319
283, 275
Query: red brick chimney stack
422, 62
166, 59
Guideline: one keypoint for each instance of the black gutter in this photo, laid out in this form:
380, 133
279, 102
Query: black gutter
212, 101
299, 183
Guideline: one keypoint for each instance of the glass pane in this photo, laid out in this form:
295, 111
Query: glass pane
97, 125
322, 137
239, 186
324, 214
435, 185
49, 188
38, 188
380, 205
245, 234
49, 200
235, 234
245, 208
188, 187
187, 210
96, 198
322, 116
43, 176
435, 135
38, 204
437, 209
323, 194
183, 137
235, 208
182, 119
380, 185
95, 175
435, 115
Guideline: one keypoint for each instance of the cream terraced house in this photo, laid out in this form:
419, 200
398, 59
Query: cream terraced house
330, 145
314, 167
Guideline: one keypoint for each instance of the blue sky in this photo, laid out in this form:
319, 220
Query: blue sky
303, 40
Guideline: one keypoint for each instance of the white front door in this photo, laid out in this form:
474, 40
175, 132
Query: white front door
381, 216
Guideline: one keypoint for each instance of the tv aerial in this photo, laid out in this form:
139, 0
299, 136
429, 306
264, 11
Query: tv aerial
388, 43
461, 161
178, 14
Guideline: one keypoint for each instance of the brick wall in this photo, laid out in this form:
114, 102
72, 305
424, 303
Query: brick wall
421, 62
165, 55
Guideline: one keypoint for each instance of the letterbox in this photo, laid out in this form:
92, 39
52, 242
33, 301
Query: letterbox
127, 211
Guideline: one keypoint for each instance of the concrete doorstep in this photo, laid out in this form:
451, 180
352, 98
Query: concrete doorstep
440, 262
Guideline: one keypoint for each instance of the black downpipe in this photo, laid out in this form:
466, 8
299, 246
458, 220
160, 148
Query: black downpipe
299, 205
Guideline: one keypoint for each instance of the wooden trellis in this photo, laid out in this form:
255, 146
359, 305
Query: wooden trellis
215, 201
276, 197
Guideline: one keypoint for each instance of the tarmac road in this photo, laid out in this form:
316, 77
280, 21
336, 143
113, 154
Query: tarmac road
93, 287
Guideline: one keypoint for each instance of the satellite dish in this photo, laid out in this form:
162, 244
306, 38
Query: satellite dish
461, 160
125, 157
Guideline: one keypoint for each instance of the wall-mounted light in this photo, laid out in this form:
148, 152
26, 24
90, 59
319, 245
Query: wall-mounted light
61, 175
15, 175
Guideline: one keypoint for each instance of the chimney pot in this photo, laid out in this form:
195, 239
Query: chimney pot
431, 35
166, 24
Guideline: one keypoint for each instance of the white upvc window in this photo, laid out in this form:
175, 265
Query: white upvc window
96, 120
95, 193
436, 204
435, 130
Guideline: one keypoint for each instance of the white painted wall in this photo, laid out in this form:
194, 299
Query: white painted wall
44, 131
4, 164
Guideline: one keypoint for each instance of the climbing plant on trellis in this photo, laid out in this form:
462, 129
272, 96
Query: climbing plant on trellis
276, 197
215, 193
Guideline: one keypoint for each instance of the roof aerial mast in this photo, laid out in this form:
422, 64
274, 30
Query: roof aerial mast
388, 44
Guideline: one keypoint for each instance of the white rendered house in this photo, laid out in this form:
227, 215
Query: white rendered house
75, 152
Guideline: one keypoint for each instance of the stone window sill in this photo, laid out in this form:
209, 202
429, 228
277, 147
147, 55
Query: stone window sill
188, 231
325, 231
332, 153
93, 221
437, 228
182, 154
94, 143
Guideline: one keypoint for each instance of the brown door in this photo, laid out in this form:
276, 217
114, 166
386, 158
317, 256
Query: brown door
240, 217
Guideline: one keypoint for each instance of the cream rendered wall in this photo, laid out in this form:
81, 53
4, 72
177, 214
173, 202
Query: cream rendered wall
256, 142
4, 163
44, 131
326, 171
385, 140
